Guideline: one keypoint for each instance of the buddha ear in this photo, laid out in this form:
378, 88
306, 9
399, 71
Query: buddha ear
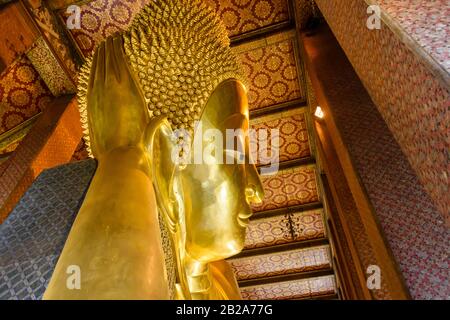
162, 147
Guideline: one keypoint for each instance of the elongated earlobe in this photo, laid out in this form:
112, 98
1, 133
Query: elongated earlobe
160, 144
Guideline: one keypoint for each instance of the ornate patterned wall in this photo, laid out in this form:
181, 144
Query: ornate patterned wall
412, 225
101, 18
32, 237
414, 104
49, 69
22, 94
427, 22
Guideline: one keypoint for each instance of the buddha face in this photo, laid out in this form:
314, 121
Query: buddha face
218, 194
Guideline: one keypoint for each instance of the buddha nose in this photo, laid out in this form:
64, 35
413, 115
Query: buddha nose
254, 191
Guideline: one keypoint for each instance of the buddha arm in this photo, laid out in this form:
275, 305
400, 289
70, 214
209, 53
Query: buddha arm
115, 239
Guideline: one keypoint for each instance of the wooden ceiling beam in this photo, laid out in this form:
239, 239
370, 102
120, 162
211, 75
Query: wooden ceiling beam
283, 211
277, 108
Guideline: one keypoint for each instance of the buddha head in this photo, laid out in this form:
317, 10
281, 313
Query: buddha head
180, 52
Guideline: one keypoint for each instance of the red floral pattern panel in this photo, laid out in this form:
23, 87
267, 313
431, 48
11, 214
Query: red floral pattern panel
289, 187
102, 18
271, 70
287, 228
23, 94
293, 137
297, 289
281, 263
241, 16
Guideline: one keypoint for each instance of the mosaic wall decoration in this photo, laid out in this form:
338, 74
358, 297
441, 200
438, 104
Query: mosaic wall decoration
298, 289
427, 22
22, 94
293, 137
414, 104
271, 70
287, 228
289, 187
240, 16
414, 229
32, 237
102, 18
337, 225
281, 263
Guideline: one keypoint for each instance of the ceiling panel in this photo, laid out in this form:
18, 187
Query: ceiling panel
270, 67
23, 94
289, 187
241, 16
293, 137
287, 228
297, 289
281, 263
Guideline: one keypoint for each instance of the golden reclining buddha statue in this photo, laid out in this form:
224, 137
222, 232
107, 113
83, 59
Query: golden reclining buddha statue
151, 227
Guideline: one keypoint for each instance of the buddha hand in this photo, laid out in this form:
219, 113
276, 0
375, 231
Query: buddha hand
117, 112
